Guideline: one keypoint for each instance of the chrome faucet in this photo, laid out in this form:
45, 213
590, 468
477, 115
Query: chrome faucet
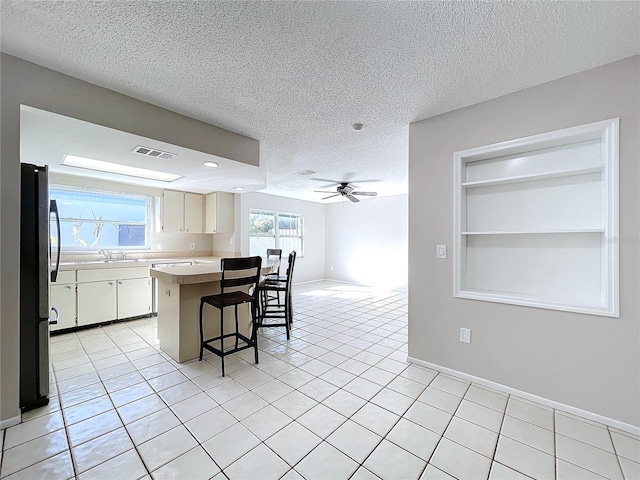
105, 253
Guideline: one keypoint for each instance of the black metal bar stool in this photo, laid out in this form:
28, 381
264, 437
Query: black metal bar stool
278, 310
275, 275
238, 275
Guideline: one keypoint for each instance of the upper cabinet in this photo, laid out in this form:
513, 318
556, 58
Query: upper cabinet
181, 212
184, 212
172, 211
193, 213
220, 213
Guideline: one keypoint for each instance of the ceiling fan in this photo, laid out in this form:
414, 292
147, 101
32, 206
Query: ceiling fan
347, 190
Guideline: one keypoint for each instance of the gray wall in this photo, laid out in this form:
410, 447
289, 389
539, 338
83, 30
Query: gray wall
363, 237
26, 83
309, 267
585, 361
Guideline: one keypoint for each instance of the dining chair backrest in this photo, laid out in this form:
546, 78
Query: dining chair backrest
246, 271
292, 262
275, 252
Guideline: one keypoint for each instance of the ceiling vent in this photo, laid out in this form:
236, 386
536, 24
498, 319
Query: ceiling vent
152, 152
306, 172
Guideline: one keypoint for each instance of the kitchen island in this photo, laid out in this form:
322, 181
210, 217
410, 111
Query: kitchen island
179, 291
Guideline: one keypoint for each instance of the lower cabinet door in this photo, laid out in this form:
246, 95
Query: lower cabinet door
134, 297
96, 302
63, 297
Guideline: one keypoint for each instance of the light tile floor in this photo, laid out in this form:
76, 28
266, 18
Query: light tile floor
337, 401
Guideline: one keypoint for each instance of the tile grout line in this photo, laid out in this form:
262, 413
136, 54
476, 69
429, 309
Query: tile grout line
615, 452
495, 450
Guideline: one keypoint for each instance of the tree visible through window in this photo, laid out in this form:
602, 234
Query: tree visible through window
274, 230
94, 220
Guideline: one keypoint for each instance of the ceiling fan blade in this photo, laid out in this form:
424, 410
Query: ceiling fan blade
354, 182
331, 183
352, 198
323, 191
366, 194
330, 196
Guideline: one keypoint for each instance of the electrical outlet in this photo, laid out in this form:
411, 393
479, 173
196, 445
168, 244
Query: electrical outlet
159, 246
465, 335
331, 268
192, 246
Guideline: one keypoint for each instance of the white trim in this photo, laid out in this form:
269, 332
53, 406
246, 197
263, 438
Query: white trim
10, 422
355, 284
611, 422
347, 283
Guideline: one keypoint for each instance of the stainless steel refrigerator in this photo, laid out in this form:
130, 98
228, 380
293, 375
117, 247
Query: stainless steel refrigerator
36, 271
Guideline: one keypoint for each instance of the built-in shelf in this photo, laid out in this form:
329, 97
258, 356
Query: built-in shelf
531, 178
537, 232
526, 244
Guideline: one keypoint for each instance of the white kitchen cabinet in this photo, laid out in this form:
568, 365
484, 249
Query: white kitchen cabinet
63, 297
536, 221
97, 302
192, 213
134, 297
172, 211
107, 294
181, 212
220, 213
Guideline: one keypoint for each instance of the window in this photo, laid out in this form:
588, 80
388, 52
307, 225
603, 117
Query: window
274, 230
90, 220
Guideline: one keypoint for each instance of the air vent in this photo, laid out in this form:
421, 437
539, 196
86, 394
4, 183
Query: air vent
152, 152
306, 172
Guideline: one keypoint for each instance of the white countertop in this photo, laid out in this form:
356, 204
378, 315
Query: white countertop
207, 271
85, 265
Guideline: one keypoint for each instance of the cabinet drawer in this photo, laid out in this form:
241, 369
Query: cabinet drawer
104, 274
68, 276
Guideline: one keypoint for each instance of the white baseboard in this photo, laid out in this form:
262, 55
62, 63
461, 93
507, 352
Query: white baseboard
611, 422
10, 422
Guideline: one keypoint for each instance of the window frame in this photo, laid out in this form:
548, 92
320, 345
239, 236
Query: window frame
148, 223
276, 235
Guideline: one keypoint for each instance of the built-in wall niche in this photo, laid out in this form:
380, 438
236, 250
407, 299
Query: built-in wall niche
536, 220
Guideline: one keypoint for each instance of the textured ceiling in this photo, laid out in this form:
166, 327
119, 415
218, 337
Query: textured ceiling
297, 75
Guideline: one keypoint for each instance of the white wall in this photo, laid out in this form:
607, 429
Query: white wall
584, 361
366, 242
309, 267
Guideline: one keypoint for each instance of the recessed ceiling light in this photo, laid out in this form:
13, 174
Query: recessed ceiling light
357, 126
239, 189
210, 164
108, 167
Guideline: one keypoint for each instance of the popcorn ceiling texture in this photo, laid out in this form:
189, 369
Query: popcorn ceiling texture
297, 75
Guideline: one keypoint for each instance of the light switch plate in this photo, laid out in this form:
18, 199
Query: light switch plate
441, 251
465, 335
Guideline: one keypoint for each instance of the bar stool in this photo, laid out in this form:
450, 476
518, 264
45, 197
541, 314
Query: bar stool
274, 253
238, 274
278, 310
